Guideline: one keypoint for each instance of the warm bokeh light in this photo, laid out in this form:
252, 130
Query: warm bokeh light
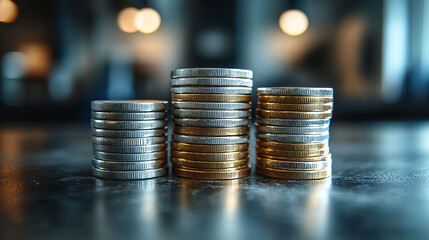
293, 22
8, 11
126, 20
147, 20
37, 59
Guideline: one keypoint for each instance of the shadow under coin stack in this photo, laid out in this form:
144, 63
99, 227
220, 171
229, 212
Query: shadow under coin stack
211, 119
292, 132
129, 139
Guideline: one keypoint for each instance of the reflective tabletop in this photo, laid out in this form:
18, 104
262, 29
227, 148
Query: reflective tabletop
379, 190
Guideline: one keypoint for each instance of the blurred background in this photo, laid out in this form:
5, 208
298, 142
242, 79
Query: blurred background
57, 56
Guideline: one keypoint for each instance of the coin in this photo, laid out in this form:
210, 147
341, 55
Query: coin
289, 165
209, 148
129, 157
295, 99
211, 97
129, 149
123, 125
180, 162
292, 138
212, 90
301, 91
231, 122
140, 116
287, 153
129, 134
292, 123
212, 157
230, 82
212, 105
293, 175
210, 140
129, 175
292, 130
293, 146
129, 106
298, 159
129, 141
292, 114
296, 107
200, 113
128, 166
211, 72
226, 173
206, 131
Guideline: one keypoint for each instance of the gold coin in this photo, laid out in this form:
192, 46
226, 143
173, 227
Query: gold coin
202, 131
261, 113
227, 156
293, 175
211, 97
296, 107
181, 162
295, 99
218, 148
287, 153
293, 165
297, 159
293, 146
218, 174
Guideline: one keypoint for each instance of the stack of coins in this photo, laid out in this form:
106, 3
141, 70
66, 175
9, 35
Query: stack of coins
129, 139
211, 120
292, 132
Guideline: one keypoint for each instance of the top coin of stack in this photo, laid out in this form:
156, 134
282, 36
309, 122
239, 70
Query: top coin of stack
211, 120
293, 132
129, 139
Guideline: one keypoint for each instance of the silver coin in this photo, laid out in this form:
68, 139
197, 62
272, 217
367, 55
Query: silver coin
292, 130
129, 105
292, 138
140, 116
129, 175
212, 90
123, 125
128, 166
292, 123
210, 140
290, 165
129, 149
128, 157
298, 91
225, 82
212, 105
192, 113
211, 72
129, 141
96, 132
232, 122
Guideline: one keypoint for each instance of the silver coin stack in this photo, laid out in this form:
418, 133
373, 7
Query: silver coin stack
129, 139
292, 132
211, 120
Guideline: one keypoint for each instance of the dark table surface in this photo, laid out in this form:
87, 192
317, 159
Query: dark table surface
379, 189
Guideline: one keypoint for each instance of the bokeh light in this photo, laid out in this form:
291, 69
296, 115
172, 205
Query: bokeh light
126, 20
8, 11
147, 20
293, 22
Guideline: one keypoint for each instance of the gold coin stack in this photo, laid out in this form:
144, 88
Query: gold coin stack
292, 132
211, 118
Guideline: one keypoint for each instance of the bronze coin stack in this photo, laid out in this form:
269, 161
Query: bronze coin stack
211, 117
292, 132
